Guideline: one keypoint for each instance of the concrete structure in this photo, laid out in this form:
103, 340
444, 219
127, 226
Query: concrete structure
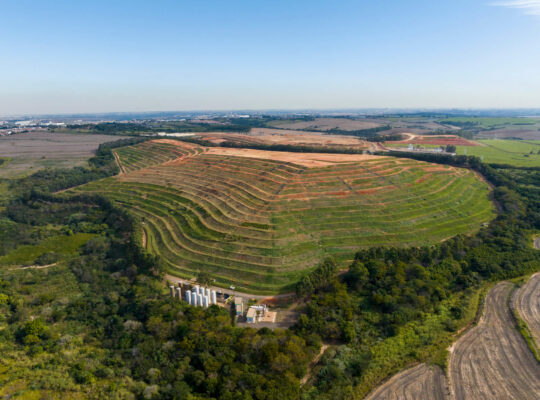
256, 314
188, 296
239, 305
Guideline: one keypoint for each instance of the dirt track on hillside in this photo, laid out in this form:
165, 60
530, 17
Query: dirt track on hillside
423, 382
527, 303
492, 361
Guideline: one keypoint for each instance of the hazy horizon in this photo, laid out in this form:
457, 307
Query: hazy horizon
64, 58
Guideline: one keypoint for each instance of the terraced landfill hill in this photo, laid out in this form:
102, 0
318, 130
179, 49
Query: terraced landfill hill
259, 220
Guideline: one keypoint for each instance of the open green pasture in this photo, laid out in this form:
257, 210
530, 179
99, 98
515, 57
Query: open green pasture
62, 245
521, 153
492, 122
261, 224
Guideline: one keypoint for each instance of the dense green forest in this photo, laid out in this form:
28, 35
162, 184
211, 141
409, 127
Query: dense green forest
99, 324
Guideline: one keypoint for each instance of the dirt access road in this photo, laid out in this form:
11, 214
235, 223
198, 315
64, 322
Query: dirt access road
492, 360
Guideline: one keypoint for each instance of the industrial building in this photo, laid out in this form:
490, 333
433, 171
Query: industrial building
256, 313
239, 305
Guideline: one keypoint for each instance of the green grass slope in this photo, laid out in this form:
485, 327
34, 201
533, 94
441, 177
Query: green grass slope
261, 224
512, 152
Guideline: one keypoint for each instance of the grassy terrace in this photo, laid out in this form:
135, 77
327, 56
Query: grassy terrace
260, 224
150, 153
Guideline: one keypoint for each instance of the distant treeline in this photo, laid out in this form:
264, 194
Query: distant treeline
363, 133
116, 128
395, 137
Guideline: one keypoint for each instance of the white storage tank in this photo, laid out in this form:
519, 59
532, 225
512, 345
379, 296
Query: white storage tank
194, 298
214, 297
205, 301
179, 293
172, 290
199, 300
188, 296
207, 292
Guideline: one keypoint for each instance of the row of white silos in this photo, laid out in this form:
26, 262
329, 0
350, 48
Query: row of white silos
197, 296
201, 297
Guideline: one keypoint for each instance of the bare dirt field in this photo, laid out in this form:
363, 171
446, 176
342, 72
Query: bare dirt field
310, 160
32, 151
527, 302
270, 136
492, 360
437, 140
325, 124
423, 382
286, 136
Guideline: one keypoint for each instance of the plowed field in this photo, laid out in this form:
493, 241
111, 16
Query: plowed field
493, 361
422, 382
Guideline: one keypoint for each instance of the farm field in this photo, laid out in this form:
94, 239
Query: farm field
513, 152
423, 382
527, 302
492, 122
326, 124
259, 220
29, 152
268, 136
492, 360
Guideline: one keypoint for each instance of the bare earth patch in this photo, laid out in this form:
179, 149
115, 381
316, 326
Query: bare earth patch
32, 151
423, 382
493, 361
310, 160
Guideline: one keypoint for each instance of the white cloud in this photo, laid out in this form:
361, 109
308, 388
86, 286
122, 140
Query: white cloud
531, 7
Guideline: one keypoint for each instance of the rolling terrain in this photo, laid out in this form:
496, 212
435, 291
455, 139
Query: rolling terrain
258, 220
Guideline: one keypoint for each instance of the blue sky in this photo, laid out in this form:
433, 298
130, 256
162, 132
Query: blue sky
99, 56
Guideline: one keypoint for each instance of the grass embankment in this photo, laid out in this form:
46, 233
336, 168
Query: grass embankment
521, 153
425, 341
521, 325
261, 224
150, 153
